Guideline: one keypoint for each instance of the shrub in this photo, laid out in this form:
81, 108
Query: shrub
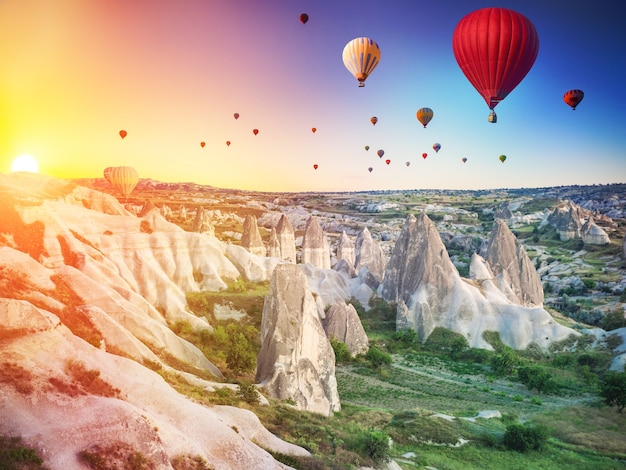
376, 444
249, 393
14, 456
241, 350
446, 341
524, 438
342, 353
613, 389
377, 358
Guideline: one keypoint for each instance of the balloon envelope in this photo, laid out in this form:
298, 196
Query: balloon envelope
315, 166
495, 49
424, 115
573, 97
373, 120
367, 147
304, 18
314, 130
123, 133
436, 147
380, 153
387, 162
464, 159
228, 143
107, 173
408, 163
424, 155
124, 179
202, 144
370, 169
502, 158
236, 115
361, 56
255, 131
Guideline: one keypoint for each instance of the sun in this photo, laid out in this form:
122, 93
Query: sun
25, 163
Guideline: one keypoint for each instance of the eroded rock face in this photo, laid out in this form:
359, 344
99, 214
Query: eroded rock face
514, 272
273, 249
346, 249
296, 360
343, 322
286, 239
369, 255
572, 221
251, 239
592, 234
315, 248
202, 223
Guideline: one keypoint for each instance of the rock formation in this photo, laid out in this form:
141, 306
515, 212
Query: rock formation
514, 272
343, 322
369, 256
592, 234
569, 219
345, 249
296, 360
286, 239
251, 239
273, 249
422, 280
315, 248
503, 211
202, 223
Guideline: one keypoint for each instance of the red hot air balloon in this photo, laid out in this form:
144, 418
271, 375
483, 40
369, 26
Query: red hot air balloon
424, 155
573, 97
202, 144
314, 130
387, 161
255, 131
228, 143
123, 133
236, 115
495, 49
304, 18
315, 166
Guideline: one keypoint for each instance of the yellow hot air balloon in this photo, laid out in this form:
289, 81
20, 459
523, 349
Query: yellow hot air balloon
502, 158
361, 56
424, 115
124, 179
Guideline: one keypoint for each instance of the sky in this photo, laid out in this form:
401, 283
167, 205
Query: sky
173, 73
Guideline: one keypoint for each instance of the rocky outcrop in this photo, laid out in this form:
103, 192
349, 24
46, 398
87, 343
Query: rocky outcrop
202, 223
429, 293
296, 360
286, 239
343, 323
251, 239
569, 220
315, 248
273, 249
370, 256
503, 211
345, 249
513, 271
592, 234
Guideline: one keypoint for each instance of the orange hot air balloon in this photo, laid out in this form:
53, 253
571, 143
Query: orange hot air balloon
124, 179
123, 133
202, 144
236, 115
380, 153
255, 131
361, 56
228, 143
304, 18
314, 130
464, 159
495, 49
315, 166
370, 169
387, 161
373, 120
436, 147
573, 97
424, 115
107, 173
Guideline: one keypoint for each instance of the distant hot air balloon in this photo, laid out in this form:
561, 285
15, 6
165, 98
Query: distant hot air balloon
124, 179
123, 133
373, 120
573, 97
502, 158
361, 56
408, 163
255, 131
107, 173
380, 153
304, 18
387, 161
464, 159
314, 130
424, 115
315, 166
436, 147
495, 49
367, 147
202, 144
236, 115
424, 155
370, 169
228, 143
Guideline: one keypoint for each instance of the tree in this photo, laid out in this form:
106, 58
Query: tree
504, 362
613, 389
522, 438
377, 358
241, 353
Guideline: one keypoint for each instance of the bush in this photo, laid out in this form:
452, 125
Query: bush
342, 353
613, 389
524, 438
376, 444
13, 456
249, 393
377, 358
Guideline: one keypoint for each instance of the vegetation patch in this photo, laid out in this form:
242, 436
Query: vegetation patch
15, 456
116, 455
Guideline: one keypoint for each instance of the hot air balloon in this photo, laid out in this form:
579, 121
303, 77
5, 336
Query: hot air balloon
387, 161
228, 143
502, 158
367, 147
361, 56
370, 169
236, 115
495, 49
463, 159
436, 147
255, 131
408, 163
424, 155
380, 153
314, 130
124, 179
304, 18
573, 97
373, 120
315, 166
202, 144
123, 133
107, 173
424, 115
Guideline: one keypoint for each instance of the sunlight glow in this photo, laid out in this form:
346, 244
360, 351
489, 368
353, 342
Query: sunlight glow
25, 163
